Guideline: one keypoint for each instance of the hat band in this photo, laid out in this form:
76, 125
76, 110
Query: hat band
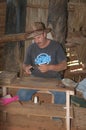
36, 31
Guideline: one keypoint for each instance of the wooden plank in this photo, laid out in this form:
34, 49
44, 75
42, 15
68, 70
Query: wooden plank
36, 127
41, 84
36, 83
35, 124
37, 6
3, 10
2, 26
2, 16
7, 77
1, 34
46, 110
3, 5
13, 37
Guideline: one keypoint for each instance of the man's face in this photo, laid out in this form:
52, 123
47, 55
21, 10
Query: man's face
40, 40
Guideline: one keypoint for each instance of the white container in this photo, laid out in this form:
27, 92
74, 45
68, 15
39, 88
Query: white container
35, 99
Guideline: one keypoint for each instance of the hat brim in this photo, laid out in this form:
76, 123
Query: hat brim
31, 35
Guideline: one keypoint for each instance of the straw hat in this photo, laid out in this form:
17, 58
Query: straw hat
36, 29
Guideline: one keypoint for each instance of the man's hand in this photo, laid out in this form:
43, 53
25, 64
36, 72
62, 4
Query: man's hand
27, 69
43, 68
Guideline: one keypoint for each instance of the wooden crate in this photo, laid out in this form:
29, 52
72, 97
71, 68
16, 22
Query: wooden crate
80, 117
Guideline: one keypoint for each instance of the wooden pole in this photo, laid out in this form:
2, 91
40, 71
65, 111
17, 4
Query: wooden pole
13, 37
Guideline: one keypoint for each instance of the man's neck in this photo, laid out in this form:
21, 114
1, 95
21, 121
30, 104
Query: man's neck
46, 43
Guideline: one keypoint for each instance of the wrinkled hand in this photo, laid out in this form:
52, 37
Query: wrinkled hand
43, 68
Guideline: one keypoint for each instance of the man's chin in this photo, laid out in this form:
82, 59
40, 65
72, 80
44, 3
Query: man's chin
39, 44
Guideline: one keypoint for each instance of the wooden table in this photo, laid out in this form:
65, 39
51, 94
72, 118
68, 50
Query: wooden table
44, 85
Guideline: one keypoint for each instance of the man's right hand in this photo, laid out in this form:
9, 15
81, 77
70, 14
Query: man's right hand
27, 69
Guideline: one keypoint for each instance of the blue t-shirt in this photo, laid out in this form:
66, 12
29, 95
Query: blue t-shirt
52, 54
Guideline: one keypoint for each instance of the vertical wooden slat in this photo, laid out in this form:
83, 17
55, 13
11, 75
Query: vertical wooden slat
2, 29
37, 10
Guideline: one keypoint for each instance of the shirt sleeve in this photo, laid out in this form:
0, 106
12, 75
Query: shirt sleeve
61, 56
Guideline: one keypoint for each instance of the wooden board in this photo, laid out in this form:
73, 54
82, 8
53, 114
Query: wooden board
7, 77
28, 123
47, 110
44, 84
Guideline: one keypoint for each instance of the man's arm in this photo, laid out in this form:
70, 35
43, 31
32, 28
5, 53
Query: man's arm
58, 67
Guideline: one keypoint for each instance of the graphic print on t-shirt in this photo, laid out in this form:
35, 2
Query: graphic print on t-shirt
43, 58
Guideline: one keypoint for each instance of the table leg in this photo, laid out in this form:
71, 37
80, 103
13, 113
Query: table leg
68, 94
68, 110
4, 91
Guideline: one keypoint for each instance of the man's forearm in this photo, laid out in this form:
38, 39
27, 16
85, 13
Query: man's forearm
59, 67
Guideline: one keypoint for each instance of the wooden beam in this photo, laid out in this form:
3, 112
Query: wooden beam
47, 110
13, 38
31, 123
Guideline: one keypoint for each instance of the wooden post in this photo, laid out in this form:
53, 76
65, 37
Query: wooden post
57, 19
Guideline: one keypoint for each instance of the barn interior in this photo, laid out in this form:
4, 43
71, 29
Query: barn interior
67, 18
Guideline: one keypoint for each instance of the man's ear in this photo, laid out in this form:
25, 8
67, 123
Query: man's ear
45, 34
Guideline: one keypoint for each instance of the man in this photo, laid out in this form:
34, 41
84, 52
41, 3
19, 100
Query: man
44, 58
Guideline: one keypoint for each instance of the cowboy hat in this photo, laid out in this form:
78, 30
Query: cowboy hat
37, 28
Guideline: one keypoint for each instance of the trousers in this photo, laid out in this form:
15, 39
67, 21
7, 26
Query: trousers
26, 95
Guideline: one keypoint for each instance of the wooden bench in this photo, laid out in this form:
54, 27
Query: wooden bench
50, 110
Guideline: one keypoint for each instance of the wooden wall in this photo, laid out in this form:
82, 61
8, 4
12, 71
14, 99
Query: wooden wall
77, 16
15, 23
23, 14
35, 11
2, 17
77, 27
2, 30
